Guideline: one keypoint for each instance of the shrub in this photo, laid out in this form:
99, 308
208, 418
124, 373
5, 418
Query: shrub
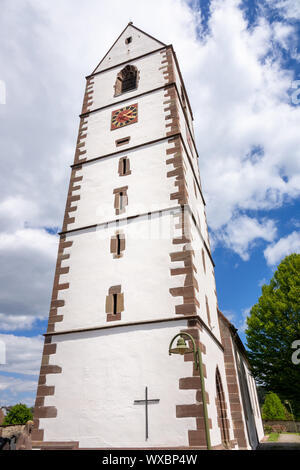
18, 414
272, 408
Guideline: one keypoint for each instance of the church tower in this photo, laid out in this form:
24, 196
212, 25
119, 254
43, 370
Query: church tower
134, 271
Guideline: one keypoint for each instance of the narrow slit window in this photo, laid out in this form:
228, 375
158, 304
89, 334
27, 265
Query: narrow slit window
121, 199
124, 166
203, 260
122, 141
115, 297
183, 97
114, 303
117, 245
208, 311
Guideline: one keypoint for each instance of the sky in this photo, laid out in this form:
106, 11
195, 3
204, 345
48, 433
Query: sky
240, 60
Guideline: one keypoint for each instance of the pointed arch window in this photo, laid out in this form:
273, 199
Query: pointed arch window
223, 421
127, 80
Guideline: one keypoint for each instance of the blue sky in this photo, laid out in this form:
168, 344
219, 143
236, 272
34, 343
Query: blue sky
240, 61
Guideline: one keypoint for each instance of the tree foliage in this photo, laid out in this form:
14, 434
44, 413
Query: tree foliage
273, 325
18, 414
272, 408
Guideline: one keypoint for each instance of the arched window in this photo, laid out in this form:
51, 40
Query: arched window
126, 79
221, 410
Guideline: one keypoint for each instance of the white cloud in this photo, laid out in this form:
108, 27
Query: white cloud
23, 354
290, 9
283, 247
246, 129
262, 281
29, 239
243, 323
16, 385
16, 322
241, 104
243, 231
15, 390
27, 258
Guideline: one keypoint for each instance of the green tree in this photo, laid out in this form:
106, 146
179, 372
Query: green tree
273, 408
273, 325
18, 414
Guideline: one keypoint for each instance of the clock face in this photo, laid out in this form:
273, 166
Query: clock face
124, 116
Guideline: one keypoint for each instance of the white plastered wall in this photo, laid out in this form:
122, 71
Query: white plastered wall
150, 77
149, 188
120, 52
143, 272
101, 378
151, 123
206, 282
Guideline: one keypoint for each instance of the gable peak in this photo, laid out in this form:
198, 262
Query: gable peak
131, 43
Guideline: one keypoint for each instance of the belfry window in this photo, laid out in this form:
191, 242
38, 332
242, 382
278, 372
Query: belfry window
126, 79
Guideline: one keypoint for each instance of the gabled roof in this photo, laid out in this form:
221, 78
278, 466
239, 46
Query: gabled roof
141, 43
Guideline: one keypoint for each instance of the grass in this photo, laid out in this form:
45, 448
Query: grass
273, 437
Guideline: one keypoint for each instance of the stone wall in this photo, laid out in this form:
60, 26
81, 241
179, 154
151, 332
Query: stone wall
287, 426
16, 436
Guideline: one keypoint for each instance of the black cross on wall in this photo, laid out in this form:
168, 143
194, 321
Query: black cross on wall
146, 402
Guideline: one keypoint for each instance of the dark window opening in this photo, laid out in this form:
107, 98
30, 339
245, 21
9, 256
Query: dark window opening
121, 200
128, 40
124, 165
122, 141
129, 75
183, 97
127, 79
115, 297
118, 244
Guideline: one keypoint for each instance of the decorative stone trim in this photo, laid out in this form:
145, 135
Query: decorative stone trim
88, 96
178, 171
82, 134
232, 381
43, 390
83, 125
167, 65
68, 445
55, 301
71, 198
197, 438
